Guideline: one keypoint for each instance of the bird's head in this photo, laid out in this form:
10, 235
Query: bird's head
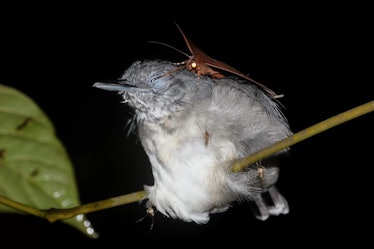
153, 88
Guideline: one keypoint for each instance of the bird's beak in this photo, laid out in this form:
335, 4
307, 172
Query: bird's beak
118, 87
111, 86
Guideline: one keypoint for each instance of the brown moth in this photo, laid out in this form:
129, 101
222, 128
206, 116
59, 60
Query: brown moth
202, 64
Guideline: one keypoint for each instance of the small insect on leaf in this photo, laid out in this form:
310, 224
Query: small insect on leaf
202, 64
23, 124
2, 153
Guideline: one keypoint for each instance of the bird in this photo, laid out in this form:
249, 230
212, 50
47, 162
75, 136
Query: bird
192, 129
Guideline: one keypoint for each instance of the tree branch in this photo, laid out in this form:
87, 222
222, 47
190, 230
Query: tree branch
240, 164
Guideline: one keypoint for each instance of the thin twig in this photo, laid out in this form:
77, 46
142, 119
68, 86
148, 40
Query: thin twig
55, 214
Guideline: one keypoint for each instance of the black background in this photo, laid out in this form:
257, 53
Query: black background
320, 57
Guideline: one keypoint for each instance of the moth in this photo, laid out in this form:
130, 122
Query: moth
202, 64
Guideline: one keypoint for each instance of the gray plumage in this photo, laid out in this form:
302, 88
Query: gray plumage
192, 128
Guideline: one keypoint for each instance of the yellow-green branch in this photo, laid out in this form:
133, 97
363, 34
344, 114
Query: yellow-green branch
240, 164
53, 215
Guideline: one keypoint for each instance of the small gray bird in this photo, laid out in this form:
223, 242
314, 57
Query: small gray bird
192, 129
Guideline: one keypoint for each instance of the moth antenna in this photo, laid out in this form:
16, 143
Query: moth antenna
169, 46
186, 40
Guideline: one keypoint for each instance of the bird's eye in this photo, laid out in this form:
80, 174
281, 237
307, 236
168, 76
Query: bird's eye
154, 79
156, 82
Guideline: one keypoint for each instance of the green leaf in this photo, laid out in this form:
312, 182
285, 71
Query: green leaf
35, 168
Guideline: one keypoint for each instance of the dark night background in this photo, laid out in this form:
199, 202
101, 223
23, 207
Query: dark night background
318, 56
